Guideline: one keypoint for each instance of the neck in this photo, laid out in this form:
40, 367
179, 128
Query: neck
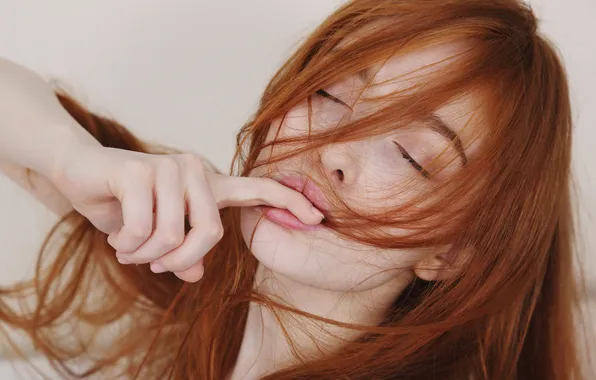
265, 347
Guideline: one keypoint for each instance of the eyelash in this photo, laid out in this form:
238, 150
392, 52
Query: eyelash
404, 153
328, 96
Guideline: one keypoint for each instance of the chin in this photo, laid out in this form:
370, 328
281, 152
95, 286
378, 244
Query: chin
318, 258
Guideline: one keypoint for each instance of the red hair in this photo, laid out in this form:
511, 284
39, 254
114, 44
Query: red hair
508, 315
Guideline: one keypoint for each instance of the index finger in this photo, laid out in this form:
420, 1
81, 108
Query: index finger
250, 191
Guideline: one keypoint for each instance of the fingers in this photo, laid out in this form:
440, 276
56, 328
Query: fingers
169, 214
105, 217
136, 196
179, 185
249, 191
206, 229
197, 243
193, 274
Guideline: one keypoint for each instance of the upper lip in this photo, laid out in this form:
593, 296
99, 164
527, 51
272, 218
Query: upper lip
308, 188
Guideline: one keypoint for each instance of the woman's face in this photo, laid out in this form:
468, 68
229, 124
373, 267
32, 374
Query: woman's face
372, 174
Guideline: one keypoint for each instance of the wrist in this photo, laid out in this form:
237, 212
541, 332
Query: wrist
69, 145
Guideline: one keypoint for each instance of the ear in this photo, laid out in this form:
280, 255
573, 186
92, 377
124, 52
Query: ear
439, 267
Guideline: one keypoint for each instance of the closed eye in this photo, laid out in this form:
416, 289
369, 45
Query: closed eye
404, 153
334, 99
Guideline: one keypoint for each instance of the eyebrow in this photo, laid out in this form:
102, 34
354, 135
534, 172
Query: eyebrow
434, 121
437, 124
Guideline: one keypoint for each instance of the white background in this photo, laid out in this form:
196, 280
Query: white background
189, 73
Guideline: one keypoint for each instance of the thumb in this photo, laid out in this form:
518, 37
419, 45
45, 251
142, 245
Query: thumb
106, 217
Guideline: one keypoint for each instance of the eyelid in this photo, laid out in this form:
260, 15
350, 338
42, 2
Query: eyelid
334, 99
425, 173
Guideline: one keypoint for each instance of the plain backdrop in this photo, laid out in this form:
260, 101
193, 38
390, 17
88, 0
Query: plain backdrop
189, 73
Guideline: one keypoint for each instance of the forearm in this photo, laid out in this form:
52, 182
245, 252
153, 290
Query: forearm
35, 130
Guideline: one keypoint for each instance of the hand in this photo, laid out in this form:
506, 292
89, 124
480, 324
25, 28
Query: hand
140, 201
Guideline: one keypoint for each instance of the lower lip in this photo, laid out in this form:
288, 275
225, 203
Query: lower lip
286, 219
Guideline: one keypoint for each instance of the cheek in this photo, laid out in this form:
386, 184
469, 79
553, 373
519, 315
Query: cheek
385, 180
323, 259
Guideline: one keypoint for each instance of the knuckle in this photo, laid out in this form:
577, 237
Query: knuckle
171, 239
193, 161
139, 231
258, 188
271, 187
168, 164
214, 232
298, 199
264, 183
139, 168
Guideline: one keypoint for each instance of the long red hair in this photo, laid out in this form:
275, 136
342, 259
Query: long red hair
508, 315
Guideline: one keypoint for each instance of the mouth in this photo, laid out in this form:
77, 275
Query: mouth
284, 217
309, 189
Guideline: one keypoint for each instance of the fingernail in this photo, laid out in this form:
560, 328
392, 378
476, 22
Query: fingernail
318, 213
157, 268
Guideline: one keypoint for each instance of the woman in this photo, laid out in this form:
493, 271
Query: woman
401, 211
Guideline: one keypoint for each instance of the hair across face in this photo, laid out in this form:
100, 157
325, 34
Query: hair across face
446, 132
370, 176
418, 127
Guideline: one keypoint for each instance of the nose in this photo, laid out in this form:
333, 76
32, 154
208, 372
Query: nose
340, 163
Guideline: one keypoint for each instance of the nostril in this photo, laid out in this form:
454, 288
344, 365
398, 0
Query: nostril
340, 175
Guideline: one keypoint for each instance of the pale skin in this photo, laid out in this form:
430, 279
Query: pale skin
314, 271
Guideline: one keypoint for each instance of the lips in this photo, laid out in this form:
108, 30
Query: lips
284, 217
309, 189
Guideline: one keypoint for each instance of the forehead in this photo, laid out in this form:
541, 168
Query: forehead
406, 69
406, 72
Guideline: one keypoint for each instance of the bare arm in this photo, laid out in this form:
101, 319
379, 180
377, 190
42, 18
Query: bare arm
40, 187
138, 199
35, 131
